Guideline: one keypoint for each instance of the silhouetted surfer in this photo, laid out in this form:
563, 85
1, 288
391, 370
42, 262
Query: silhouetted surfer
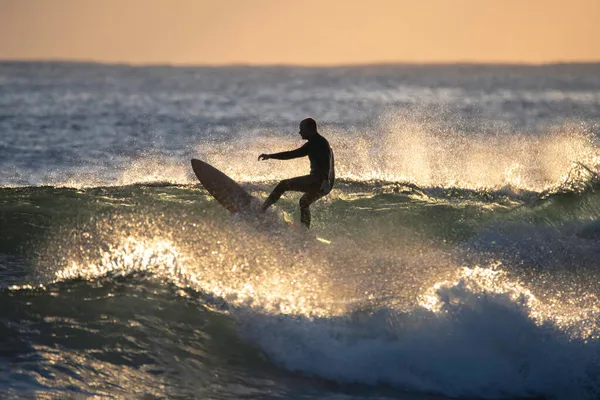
322, 174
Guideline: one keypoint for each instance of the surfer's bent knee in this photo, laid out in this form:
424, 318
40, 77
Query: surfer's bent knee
305, 202
282, 186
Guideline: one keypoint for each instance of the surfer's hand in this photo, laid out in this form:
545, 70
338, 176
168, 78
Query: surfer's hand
263, 157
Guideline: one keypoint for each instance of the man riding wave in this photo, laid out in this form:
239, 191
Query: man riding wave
322, 174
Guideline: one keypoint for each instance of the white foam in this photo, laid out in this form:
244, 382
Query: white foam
475, 344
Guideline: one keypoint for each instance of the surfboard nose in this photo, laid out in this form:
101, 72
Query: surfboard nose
224, 189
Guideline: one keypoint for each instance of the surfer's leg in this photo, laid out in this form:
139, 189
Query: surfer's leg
299, 184
275, 194
305, 201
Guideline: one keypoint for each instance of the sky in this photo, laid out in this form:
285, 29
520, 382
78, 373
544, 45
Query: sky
300, 32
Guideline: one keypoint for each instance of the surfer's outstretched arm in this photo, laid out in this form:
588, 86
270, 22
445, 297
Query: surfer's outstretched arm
286, 155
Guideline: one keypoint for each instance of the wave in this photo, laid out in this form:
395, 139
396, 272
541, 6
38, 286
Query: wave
479, 341
421, 146
474, 332
393, 208
461, 292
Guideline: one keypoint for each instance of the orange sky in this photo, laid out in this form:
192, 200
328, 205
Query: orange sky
309, 32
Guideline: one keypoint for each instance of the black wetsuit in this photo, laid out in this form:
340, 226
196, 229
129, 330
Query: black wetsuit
321, 170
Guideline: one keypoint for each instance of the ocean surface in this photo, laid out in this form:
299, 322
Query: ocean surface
458, 255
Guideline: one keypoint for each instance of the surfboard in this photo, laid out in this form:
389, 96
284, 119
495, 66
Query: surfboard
224, 189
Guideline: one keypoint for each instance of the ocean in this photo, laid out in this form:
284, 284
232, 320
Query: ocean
456, 257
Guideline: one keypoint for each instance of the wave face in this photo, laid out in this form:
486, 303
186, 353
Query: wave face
457, 256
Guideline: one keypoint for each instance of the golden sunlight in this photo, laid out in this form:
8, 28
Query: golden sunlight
309, 32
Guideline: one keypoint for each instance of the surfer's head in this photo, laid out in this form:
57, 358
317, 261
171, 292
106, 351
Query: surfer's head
308, 128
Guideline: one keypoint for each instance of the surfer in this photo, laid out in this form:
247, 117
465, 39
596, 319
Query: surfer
322, 175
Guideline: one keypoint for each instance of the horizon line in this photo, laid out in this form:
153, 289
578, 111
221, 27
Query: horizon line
297, 65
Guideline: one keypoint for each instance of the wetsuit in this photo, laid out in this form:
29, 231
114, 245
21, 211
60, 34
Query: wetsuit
316, 185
